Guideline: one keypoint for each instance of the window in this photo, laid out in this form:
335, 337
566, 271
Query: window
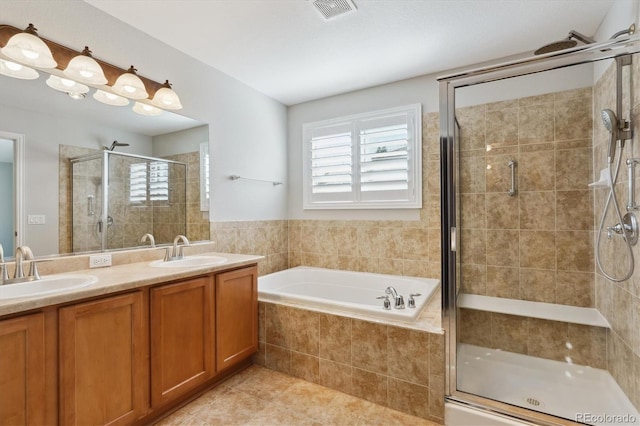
148, 181
370, 160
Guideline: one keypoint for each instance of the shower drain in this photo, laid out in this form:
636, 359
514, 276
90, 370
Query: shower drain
532, 401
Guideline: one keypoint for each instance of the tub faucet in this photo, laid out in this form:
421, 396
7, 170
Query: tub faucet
24, 253
152, 241
4, 275
399, 300
178, 251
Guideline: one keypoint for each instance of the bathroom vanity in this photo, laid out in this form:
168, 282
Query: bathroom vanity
134, 346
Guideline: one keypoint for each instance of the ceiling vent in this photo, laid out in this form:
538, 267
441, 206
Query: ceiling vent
331, 8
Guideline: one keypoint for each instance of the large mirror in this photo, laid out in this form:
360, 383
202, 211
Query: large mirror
52, 129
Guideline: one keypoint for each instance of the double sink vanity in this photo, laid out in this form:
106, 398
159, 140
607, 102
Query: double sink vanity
124, 344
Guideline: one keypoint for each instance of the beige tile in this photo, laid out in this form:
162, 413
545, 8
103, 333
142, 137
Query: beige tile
408, 398
574, 210
502, 247
369, 346
536, 171
335, 338
473, 279
475, 327
575, 250
436, 354
472, 175
575, 289
436, 396
502, 211
537, 249
574, 170
509, 333
538, 210
472, 120
498, 173
587, 345
502, 127
278, 358
548, 339
277, 321
304, 331
305, 367
370, 386
309, 399
503, 282
536, 123
473, 246
232, 408
538, 285
336, 376
573, 119
408, 357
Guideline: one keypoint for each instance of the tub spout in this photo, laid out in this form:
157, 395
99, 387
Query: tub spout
398, 299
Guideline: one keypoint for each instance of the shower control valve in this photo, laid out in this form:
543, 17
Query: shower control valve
412, 302
386, 303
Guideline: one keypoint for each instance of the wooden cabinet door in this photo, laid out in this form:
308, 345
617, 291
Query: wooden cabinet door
22, 371
236, 316
181, 338
102, 361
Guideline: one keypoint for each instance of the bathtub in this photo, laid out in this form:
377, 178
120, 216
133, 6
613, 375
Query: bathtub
346, 291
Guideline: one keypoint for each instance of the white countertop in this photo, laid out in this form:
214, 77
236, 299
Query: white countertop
119, 278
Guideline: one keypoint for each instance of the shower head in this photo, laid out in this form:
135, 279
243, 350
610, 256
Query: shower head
611, 124
628, 31
114, 145
567, 43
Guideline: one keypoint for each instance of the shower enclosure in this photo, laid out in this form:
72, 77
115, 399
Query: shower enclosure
119, 197
535, 328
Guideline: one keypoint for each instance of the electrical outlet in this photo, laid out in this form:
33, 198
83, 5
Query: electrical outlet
99, 260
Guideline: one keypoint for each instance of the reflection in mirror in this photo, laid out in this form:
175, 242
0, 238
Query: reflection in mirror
6, 193
57, 128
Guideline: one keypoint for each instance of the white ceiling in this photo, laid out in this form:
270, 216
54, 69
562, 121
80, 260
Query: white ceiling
286, 50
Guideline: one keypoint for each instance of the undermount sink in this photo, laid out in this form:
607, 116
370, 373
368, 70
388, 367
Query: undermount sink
46, 285
190, 261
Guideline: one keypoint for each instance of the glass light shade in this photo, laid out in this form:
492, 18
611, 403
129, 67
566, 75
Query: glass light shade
129, 85
15, 70
166, 98
65, 85
85, 69
30, 50
110, 98
144, 109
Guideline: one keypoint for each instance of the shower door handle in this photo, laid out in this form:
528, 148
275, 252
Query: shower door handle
513, 191
92, 211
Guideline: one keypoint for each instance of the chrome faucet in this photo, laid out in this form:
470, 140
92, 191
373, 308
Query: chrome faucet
24, 253
398, 299
4, 275
178, 251
152, 241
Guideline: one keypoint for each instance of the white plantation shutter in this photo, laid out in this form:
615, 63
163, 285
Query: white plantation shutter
366, 161
148, 181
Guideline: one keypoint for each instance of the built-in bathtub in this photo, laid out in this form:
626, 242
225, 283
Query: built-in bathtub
347, 291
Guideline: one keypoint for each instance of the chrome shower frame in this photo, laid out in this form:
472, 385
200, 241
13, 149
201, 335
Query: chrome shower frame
105, 155
449, 196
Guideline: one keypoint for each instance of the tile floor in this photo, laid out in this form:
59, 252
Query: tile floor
259, 396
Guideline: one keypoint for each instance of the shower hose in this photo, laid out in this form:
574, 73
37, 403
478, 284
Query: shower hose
613, 176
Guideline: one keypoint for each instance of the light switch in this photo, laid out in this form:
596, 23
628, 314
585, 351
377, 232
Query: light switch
35, 219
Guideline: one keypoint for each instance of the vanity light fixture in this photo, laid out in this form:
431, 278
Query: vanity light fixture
85, 69
15, 70
110, 98
166, 98
23, 53
29, 49
144, 109
129, 85
65, 85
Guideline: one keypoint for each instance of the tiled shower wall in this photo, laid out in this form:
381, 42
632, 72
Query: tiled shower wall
538, 244
619, 302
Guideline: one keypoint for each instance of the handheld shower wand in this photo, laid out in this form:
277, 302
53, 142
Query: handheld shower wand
611, 124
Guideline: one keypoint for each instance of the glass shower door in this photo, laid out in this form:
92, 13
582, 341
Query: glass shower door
537, 326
